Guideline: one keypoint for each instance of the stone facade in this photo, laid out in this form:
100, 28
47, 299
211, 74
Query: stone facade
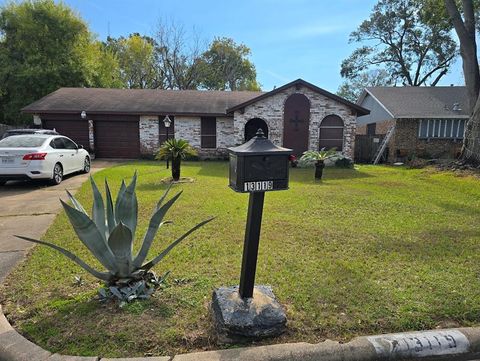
149, 137
270, 109
231, 130
405, 143
188, 128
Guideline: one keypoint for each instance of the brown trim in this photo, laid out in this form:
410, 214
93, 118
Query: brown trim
297, 83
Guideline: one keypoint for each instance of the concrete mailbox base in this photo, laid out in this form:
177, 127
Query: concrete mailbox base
238, 319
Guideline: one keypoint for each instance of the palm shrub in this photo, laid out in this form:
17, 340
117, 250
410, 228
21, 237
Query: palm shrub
318, 159
176, 149
109, 235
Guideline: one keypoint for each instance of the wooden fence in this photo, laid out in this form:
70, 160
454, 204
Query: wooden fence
366, 146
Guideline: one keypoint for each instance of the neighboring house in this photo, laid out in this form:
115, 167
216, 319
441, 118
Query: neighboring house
429, 121
128, 123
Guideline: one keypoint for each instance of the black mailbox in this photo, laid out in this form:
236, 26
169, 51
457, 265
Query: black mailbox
259, 166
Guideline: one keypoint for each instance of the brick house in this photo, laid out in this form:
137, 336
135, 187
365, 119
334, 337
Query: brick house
128, 123
427, 122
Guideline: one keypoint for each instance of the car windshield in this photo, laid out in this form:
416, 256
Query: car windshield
22, 142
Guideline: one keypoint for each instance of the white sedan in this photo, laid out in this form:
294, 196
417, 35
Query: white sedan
38, 156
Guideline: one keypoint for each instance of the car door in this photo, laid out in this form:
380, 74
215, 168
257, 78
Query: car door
63, 154
71, 156
76, 155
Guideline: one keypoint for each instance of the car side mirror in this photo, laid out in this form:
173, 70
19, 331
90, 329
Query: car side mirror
80, 146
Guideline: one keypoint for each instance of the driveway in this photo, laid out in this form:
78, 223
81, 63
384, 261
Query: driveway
28, 208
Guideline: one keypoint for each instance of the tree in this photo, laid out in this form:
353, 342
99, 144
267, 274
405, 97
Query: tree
101, 66
136, 58
465, 29
177, 56
400, 40
225, 65
351, 89
44, 46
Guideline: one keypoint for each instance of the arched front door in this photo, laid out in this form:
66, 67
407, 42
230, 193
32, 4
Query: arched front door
331, 133
252, 126
296, 119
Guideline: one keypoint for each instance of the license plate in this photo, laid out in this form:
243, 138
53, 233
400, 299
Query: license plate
9, 160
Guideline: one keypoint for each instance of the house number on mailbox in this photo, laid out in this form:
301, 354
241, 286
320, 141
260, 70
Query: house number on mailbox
258, 186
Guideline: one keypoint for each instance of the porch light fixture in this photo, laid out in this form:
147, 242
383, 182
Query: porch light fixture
83, 114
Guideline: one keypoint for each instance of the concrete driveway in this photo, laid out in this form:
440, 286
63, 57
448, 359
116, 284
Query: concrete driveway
28, 209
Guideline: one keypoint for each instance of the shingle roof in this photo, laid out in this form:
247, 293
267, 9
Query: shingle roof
421, 102
139, 101
153, 101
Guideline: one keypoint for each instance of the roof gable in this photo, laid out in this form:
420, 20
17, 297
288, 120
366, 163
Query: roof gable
300, 82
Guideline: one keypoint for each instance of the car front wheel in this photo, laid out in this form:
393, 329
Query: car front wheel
57, 174
86, 165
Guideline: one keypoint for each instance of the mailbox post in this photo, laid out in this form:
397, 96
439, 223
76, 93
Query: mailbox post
256, 167
249, 311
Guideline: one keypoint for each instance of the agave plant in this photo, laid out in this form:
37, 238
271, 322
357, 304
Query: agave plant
109, 235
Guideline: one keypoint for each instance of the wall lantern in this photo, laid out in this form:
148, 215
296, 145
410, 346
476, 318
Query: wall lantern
249, 311
83, 114
37, 120
167, 121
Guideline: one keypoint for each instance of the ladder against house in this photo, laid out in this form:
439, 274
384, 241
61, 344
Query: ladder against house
381, 149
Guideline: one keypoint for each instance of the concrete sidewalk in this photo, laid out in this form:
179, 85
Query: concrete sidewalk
28, 208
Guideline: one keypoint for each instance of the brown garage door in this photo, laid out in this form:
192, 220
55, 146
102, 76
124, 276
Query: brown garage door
117, 138
77, 130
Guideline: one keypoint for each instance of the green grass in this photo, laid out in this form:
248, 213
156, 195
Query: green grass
365, 251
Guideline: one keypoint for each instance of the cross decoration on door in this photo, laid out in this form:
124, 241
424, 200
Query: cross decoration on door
296, 120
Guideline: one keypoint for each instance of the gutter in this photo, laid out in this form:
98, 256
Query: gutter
457, 344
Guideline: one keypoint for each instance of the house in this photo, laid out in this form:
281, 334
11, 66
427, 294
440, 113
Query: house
426, 122
128, 123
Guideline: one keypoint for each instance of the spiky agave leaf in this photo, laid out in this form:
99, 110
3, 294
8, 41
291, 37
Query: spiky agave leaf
157, 259
98, 210
126, 208
155, 222
160, 202
90, 236
104, 276
120, 194
121, 242
76, 203
111, 223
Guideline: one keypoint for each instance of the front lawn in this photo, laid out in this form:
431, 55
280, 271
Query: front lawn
366, 251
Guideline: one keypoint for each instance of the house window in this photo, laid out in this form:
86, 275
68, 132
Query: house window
441, 128
371, 128
331, 133
162, 129
208, 132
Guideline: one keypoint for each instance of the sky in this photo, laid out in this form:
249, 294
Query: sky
289, 39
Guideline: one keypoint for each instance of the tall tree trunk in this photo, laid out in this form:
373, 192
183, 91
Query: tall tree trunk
471, 141
465, 29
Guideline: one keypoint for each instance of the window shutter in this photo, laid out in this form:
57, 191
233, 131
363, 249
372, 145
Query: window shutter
208, 132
